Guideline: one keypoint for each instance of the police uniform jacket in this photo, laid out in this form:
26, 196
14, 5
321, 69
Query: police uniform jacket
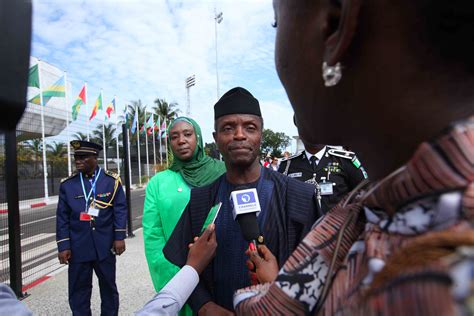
90, 240
338, 167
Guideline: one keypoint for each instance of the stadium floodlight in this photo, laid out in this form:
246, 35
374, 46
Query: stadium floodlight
190, 81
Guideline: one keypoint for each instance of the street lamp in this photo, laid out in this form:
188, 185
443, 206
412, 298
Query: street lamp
190, 81
217, 19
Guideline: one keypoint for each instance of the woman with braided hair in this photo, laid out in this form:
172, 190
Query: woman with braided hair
393, 78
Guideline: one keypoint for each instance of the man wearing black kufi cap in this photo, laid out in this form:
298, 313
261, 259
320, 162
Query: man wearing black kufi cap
91, 223
288, 207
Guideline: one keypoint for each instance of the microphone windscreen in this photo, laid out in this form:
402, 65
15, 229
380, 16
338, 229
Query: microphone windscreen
249, 226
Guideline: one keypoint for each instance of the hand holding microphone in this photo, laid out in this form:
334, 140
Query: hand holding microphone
245, 208
262, 265
263, 262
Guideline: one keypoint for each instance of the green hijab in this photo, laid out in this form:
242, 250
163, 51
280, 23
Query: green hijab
200, 170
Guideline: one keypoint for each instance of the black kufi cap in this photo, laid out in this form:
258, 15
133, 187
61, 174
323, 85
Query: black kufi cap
84, 148
237, 101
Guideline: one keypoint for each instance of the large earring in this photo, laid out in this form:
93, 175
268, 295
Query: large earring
331, 74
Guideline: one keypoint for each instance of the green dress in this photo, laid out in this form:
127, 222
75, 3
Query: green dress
167, 195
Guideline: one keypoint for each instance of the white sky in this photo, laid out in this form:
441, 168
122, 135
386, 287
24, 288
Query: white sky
145, 49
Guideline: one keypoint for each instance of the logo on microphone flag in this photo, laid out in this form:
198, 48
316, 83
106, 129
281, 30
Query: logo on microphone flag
245, 201
244, 198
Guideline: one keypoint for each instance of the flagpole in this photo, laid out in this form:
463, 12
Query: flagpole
68, 133
153, 138
116, 135
129, 160
45, 169
103, 132
138, 147
159, 136
166, 144
87, 111
146, 147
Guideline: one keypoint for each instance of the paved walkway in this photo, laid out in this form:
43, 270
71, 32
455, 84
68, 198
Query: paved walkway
133, 282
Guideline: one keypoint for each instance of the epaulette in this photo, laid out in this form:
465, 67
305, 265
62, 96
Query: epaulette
342, 153
70, 177
112, 174
293, 156
347, 155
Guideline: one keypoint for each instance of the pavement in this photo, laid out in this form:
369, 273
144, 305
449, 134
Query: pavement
135, 287
52, 200
38, 239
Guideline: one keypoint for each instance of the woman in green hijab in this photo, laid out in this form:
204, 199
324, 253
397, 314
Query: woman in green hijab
168, 193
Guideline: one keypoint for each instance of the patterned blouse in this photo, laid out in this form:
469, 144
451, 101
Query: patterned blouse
401, 246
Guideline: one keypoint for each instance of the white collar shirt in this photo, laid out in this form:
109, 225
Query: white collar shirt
318, 155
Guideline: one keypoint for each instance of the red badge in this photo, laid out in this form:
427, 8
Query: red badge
85, 217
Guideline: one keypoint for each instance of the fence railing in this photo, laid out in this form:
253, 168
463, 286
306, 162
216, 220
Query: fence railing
42, 163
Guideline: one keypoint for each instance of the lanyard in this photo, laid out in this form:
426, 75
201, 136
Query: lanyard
87, 196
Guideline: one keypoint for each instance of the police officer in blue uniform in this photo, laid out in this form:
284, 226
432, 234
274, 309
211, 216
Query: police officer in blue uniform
332, 170
90, 229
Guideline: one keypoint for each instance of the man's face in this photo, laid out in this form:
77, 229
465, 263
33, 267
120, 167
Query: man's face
85, 163
238, 137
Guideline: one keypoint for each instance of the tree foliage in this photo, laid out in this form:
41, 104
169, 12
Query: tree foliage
56, 151
129, 114
109, 131
211, 150
274, 142
80, 136
165, 110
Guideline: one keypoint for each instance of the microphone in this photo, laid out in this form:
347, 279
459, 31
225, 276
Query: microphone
246, 207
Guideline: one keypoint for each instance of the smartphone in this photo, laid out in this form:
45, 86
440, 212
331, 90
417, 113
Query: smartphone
211, 216
217, 212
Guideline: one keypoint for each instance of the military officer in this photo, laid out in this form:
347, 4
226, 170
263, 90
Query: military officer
333, 170
90, 229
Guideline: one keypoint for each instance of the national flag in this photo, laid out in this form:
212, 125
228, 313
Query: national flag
150, 124
134, 123
163, 129
81, 99
56, 90
157, 125
97, 106
126, 117
110, 107
33, 77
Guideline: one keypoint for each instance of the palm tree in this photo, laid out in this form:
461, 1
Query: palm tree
57, 158
56, 151
24, 153
35, 146
129, 115
165, 110
80, 136
109, 131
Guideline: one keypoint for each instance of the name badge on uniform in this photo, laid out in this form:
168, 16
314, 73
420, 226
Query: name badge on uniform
326, 188
92, 211
85, 217
295, 174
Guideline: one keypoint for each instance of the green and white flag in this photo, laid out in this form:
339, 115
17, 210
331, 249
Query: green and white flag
33, 77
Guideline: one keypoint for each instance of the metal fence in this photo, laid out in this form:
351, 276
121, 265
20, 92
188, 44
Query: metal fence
4, 249
44, 161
